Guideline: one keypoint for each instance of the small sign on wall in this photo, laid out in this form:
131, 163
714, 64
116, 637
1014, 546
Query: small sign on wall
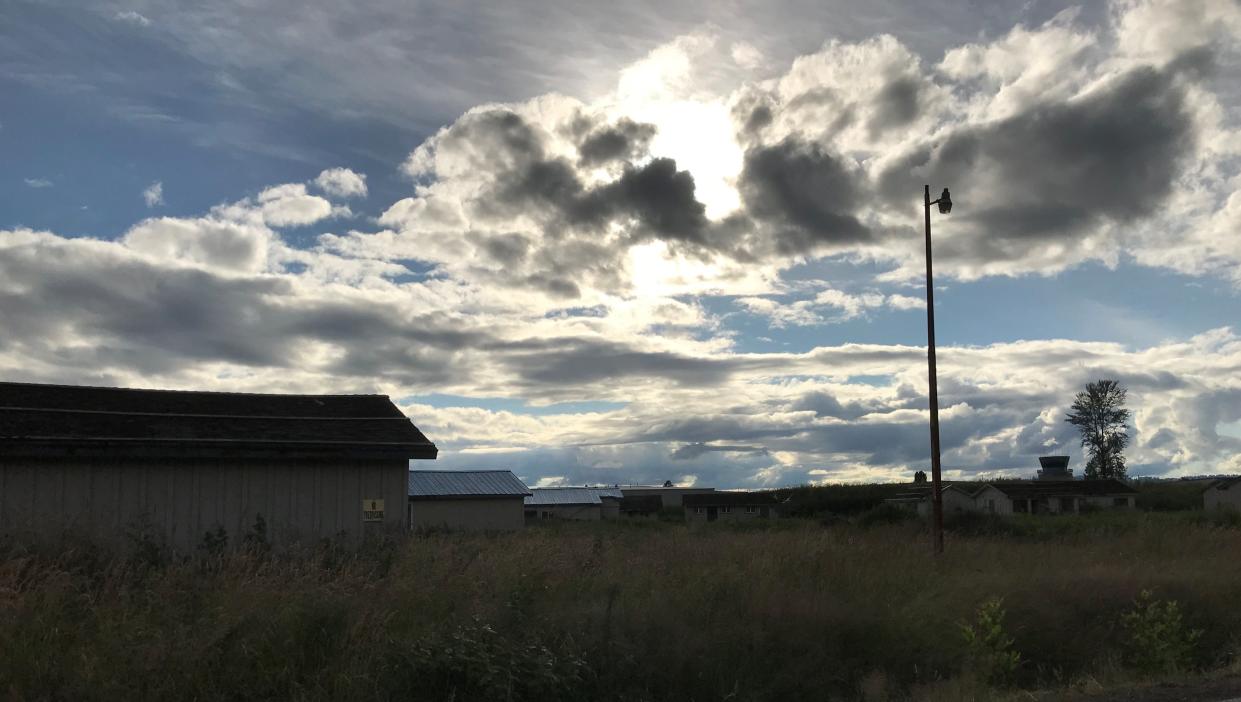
372, 510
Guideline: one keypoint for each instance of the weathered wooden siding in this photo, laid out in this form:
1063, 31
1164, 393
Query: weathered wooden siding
180, 500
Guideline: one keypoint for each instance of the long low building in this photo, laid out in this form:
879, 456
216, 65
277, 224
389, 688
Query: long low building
672, 496
467, 500
175, 465
728, 505
574, 503
1040, 496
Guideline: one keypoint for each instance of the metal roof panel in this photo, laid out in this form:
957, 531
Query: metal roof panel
453, 483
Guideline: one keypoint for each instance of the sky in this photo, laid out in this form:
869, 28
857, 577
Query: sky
599, 242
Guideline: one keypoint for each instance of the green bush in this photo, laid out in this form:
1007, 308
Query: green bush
1157, 640
989, 650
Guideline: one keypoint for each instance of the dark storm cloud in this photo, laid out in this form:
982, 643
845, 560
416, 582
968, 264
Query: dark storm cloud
689, 452
1052, 171
624, 140
563, 362
895, 106
661, 198
136, 315
805, 194
656, 196
825, 405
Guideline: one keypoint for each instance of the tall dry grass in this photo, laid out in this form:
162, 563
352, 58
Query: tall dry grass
609, 611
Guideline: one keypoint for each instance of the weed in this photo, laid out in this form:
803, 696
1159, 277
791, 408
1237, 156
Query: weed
1157, 640
989, 649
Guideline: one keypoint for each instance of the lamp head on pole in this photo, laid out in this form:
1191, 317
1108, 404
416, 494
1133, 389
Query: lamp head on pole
945, 202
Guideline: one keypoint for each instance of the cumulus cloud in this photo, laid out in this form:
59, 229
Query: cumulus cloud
38, 183
154, 194
342, 182
557, 250
289, 205
827, 306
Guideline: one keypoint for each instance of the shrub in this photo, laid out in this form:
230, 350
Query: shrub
1156, 637
989, 650
255, 540
214, 542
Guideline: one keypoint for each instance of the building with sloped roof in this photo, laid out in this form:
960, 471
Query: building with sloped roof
1224, 493
730, 505
466, 500
576, 503
955, 498
1054, 496
174, 465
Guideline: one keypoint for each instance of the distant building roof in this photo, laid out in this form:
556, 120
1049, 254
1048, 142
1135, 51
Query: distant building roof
724, 498
1223, 483
571, 496
922, 491
1040, 488
465, 483
42, 418
665, 488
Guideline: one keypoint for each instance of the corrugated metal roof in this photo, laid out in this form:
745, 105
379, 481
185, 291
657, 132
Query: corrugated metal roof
64, 417
451, 483
570, 495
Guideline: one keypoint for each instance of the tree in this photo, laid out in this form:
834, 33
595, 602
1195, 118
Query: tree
1099, 414
920, 476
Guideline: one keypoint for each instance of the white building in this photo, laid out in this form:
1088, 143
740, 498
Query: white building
1223, 494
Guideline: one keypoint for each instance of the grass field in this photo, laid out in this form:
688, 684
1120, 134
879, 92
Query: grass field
657, 611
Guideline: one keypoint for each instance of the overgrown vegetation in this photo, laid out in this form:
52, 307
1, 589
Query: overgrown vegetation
616, 611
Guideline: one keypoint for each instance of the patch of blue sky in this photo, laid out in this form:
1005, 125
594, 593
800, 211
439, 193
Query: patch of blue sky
509, 404
149, 113
417, 271
594, 311
1133, 305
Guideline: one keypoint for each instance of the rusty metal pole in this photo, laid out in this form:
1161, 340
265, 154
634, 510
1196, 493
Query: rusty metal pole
937, 505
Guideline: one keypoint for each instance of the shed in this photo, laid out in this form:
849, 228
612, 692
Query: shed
730, 505
1223, 494
174, 465
577, 503
468, 500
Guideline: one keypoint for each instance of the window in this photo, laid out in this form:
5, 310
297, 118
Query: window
697, 510
1021, 506
726, 509
991, 506
1120, 501
751, 509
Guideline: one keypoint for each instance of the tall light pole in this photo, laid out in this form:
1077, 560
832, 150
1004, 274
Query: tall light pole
937, 503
